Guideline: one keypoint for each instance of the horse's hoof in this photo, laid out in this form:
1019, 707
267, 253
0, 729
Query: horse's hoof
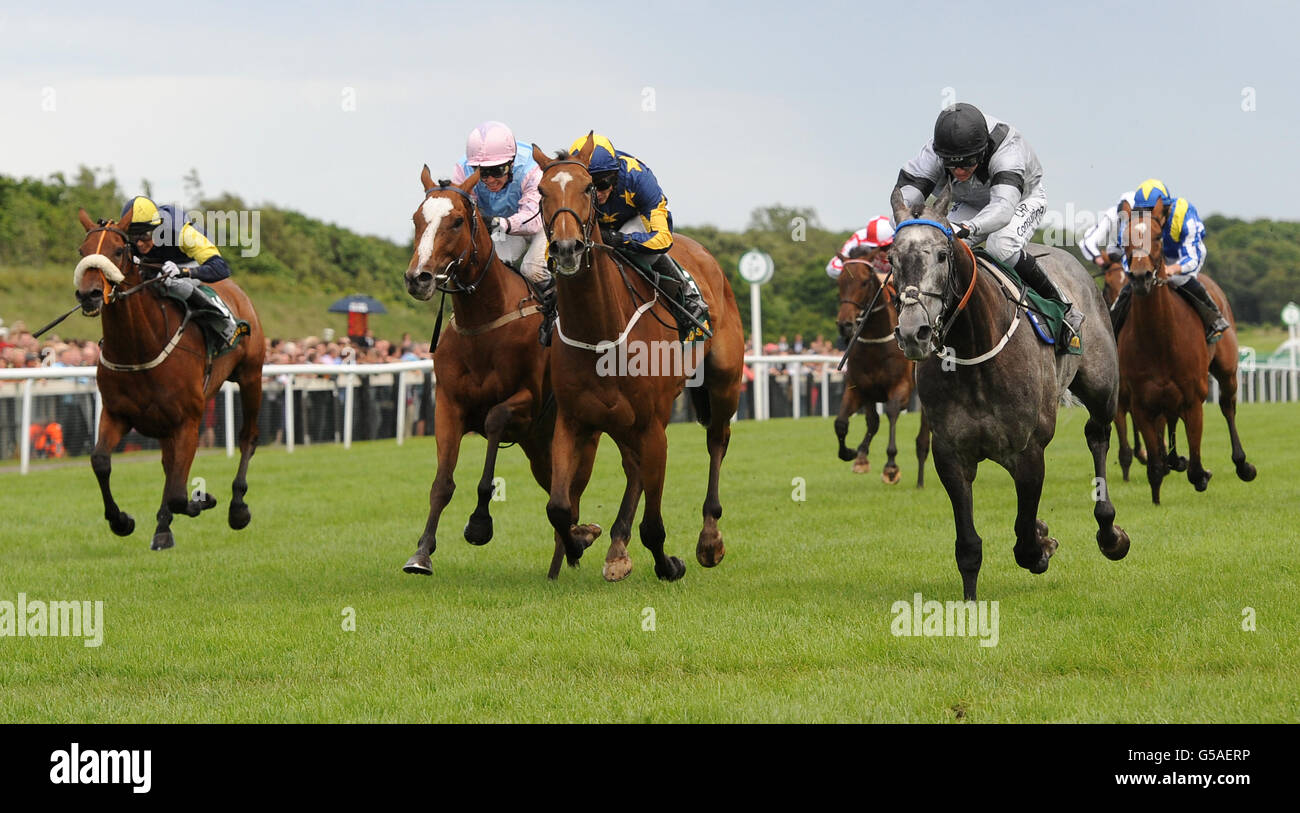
846, 454
891, 475
585, 534
124, 525
616, 570
203, 502
162, 541
861, 465
710, 551
1246, 472
1176, 463
1049, 545
674, 569
478, 531
1041, 527
1203, 482
1119, 547
239, 516
420, 565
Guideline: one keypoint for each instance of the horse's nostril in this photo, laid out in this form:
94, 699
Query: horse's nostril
923, 333
424, 277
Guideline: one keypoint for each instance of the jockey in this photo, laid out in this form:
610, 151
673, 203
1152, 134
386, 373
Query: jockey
1183, 242
508, 197
161, 234
633, 215
1101, 243
878, 233
997, 193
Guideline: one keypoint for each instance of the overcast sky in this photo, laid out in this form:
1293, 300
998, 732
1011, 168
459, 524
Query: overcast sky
331, 108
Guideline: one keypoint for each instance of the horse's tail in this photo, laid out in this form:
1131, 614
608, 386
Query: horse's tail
700, 400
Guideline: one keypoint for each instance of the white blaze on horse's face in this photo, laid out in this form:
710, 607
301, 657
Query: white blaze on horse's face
563, 179
434, 210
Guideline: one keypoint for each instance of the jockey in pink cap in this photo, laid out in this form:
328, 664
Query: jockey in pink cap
508, 197
878, 233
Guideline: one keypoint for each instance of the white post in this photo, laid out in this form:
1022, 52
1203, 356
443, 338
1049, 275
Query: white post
288, 413
826, 391
99, 410
796, 387
756, 332
401, 406
1295, 340
26, 426
347, 415
229, 390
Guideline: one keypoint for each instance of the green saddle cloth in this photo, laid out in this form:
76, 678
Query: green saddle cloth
1050, 313
204, 318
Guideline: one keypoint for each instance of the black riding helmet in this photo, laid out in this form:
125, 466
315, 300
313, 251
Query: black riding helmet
960, 135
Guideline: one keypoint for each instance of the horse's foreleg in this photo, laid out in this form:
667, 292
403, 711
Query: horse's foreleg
448, 427
250, 404
1111, 538
891, 473
709, 550
1151, 435
1034, 548
850, 403
617, 562
922, 449
565, 459
111, 430
1197, 474
654, 458
177, 457
970, 548
478, 531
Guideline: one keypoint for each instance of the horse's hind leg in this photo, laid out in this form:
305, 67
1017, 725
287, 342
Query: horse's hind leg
478, 531
1111, 538
1034, 548
250, 404
1125, 451
891, 473
970, 548
862, 463
1228, 406
111, 430
850, 403
1173, 460
654, 458
448, 427
1197, 474
709, 551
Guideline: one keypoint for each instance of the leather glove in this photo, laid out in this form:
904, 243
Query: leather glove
962, 231
612, 238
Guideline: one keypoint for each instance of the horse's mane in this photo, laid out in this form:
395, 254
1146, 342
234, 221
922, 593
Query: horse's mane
859, 251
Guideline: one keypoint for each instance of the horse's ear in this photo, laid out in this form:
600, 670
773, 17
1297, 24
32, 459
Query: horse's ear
942, 204
1158, 213
898, 206
426, 179
539, 155
588, 147
1125, 208
85, 220
125, 221
469, 182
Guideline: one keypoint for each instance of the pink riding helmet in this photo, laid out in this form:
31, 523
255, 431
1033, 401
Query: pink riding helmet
490, 144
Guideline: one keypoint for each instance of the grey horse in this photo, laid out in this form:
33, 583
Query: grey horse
1000, 406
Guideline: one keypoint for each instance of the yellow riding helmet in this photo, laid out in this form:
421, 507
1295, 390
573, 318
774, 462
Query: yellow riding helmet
602, 157
144, 214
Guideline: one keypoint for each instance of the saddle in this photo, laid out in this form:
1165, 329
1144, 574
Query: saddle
1046, 315
644, 265
210, 319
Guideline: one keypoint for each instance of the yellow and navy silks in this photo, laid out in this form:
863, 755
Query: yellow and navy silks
636, 193
177, 241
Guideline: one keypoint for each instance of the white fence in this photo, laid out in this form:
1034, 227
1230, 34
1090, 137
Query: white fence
314, 403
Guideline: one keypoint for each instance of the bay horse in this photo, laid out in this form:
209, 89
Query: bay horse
991, 392
876, 371
492, 374
1164, 356
153, 375
603, 308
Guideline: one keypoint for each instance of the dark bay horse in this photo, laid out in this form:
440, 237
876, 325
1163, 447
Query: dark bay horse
492, 373
1164, 357
991, 391
877, 371
153, 375
607, 311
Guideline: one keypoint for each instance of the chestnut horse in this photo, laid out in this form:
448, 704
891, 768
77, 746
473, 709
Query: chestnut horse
877, 371
492, 373
1164, 357
603, 307
991, 391
153, 375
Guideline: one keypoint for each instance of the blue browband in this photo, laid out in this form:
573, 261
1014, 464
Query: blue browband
923, 222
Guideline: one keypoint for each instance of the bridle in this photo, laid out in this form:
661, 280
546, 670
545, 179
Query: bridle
114, 293
588, 224
451, 283
862, 306
949, 297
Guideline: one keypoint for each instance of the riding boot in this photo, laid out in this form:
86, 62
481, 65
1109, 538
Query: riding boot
1209, 312
223, 323
546, 301
1119, 308
1034, 276
687, 295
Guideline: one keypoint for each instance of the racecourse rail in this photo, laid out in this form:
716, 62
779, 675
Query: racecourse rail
790, 380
